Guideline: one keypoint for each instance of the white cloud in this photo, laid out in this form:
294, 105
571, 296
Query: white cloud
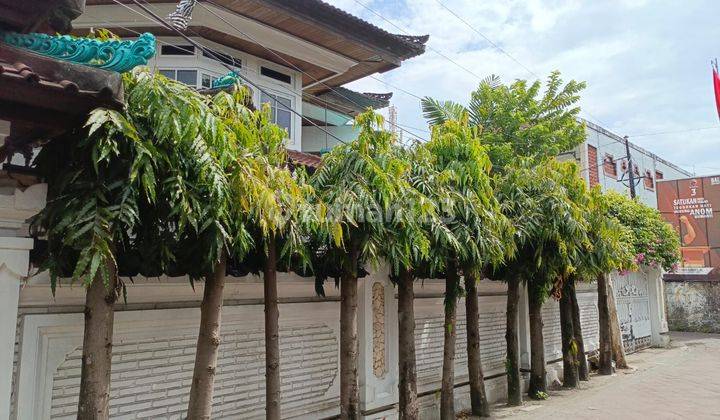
646, 63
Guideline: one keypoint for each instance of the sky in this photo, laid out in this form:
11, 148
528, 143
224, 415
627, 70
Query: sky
646, 62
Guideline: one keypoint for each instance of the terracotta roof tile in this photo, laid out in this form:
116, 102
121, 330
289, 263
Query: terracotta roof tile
304, 159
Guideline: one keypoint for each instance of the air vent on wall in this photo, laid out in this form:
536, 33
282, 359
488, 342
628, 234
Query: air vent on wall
273, 74
177, 50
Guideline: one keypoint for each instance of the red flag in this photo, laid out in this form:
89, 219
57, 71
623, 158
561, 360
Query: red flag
716, 84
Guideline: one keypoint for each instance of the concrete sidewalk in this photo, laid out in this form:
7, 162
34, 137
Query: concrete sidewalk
682, 382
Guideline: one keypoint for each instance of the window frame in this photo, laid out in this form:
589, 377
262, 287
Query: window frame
610, 160
198, 74
274, 107
262, 66
648, 179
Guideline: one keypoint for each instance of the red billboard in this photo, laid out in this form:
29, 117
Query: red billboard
692, 206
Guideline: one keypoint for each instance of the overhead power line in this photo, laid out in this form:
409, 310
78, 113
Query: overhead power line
211, 54
283, 59
497, 47
399, 28
659, 133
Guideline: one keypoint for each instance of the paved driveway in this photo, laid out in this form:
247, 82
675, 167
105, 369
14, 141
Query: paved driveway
682, 382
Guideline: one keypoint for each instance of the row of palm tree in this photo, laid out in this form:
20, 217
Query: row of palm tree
179, 182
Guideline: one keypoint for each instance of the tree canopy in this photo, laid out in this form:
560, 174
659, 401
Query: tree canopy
654, 242
546, 203
133, 183
516, 120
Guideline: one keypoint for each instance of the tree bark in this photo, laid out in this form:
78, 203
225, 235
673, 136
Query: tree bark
581, 358
605, 351
349, 392
201, 390
512, 362
618, 349
94, 399
407, 369
538, 373
272, 333
569, 345
478, 397
447, 392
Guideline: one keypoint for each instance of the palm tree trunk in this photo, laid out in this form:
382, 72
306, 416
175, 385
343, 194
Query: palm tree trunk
569, 347
272, 333
94, 399
447, 392
538, 373
407, 369
478, 397
512, 362
201, 390
349, 392
618, 349
605, 352
582, 364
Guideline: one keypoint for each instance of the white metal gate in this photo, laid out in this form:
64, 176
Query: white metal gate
633, 307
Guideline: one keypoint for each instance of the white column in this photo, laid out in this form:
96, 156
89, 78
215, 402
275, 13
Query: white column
377, 334
14, 259
524, 328
15, 209
656, 296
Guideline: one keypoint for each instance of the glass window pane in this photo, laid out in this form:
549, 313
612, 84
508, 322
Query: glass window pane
206, 80
189, 77
266, 98
170, 74
284, 101
284, 119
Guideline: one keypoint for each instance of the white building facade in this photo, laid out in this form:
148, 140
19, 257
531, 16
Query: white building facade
602, 158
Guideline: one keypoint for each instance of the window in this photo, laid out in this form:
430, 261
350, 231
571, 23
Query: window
649, 181
610, 166
280, 107
189, 77
273, 74
593, 174
658, 175
223, 58
207, 80
177, 50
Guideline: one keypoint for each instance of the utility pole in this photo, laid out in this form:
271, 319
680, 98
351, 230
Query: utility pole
631, 175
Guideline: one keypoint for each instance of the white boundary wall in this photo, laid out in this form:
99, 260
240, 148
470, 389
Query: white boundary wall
155, 336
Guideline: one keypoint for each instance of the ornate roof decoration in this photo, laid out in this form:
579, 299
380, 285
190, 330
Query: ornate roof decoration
380, 97
227, 80
414, 39
44, 97
182, 14
113, 55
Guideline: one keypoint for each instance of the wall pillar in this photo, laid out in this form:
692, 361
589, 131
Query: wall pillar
524, 329
377, 336
14, 260
15, 209
658, 317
